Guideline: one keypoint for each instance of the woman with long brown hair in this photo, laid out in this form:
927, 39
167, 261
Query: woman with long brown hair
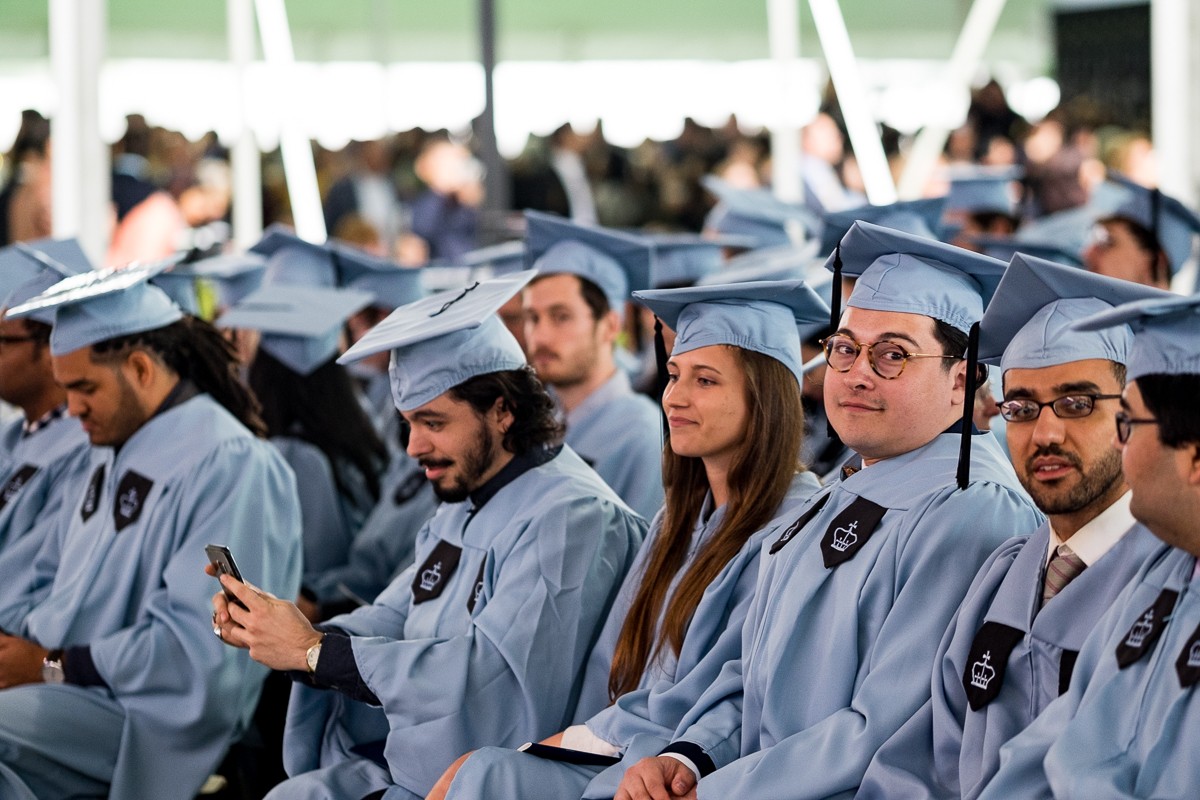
732, 476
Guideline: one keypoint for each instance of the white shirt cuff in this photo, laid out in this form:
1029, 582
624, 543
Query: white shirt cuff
580, 737
687, 762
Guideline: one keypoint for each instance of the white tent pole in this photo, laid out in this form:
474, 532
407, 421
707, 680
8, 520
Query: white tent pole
80, 161
293, 141
968, 53
1175, 94
246, 163
860, 122
783, 30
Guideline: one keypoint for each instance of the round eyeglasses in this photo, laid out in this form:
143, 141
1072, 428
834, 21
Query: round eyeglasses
1071, 406
887, 359
1125, 425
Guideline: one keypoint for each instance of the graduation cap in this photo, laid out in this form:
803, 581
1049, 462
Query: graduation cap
391, 284
757, 215
301, 325
1171, 222
683, 259
497, 259
295, 261
444, 339
984, 190
901, 272
762, 316
916, 217
202, 286
1005, 247
103, 304
29, 268
617, 262
1027, 324
1166, 334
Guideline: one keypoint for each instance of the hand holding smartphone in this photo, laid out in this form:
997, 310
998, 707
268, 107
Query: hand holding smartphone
221, 559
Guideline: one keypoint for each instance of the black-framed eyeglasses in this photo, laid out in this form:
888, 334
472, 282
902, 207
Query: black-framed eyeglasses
1069, 406
887, 359
1125, 425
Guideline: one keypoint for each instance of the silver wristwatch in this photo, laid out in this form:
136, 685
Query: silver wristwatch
313, 655
52, 667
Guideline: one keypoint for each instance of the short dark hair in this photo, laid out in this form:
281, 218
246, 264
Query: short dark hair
535, 422
1172, 401
1146, 240
952, 340
592, 294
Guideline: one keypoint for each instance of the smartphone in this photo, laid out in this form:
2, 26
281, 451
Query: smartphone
568, 756
222, 559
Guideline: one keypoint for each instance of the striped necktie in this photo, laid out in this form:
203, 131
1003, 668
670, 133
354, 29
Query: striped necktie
1062, 569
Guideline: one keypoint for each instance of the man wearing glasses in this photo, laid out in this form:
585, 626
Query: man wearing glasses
856, 593
1010, 650
1127, 725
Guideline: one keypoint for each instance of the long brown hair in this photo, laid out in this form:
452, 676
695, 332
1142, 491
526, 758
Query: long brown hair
761, 473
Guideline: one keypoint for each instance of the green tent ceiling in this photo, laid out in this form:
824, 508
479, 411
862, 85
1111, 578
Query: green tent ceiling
445, 30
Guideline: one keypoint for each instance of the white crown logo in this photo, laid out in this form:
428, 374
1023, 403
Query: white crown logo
431, 577
1141, 629
844, 538
129, 503
1194, 655
982, 672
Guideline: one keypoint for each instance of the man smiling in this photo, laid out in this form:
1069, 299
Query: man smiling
1126, 726
1010, 650
483, 639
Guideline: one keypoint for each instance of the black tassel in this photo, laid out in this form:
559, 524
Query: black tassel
964, 448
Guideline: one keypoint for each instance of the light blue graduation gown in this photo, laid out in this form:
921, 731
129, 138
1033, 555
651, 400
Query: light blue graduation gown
1120, 733
619, 433
835, 659
131, 587
38, 483
950, 750
387, 540
715, 628
497, 655
330, 520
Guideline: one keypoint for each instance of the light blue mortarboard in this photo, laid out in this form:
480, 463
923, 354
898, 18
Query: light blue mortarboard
757, 215
498, 259
29, 268
1005, 247
391, 284
103, 304
294, 261
617, 262
763, 317
910, 274
301, 325
983, 190
917, 217
1171, 222
783, 263
1166, 334
444, 339
229, 276
1027, 324
682, 259
901, 272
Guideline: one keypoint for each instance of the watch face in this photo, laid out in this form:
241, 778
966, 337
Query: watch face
52, 672
313, 654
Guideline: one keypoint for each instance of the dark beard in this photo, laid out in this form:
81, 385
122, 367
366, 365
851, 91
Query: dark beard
474, 464
1093, 484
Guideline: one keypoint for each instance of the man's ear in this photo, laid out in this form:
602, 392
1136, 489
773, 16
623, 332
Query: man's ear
141, 368
1191, 452
501, 414
609, 326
